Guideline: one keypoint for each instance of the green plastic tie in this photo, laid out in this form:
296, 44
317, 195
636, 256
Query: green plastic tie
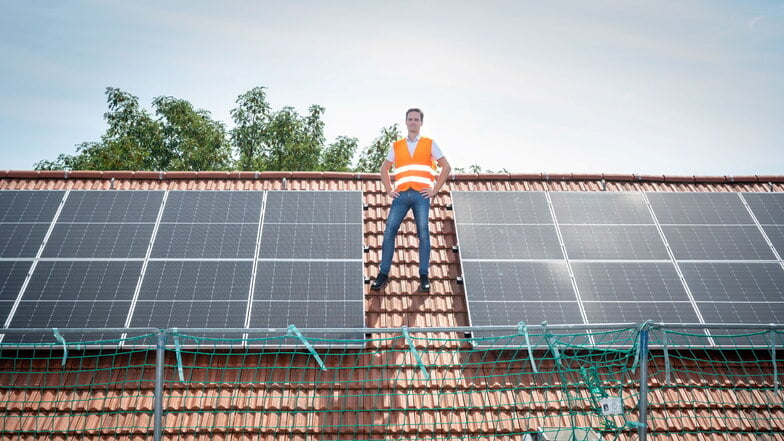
178, 353
412, 349
293, 330
60, 339
552, 344
522, 328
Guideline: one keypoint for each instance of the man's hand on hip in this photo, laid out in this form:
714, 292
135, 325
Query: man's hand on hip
393, 194
428, 193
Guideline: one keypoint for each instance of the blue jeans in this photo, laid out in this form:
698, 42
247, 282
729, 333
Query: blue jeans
409, 199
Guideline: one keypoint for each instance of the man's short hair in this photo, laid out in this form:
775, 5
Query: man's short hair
415, 109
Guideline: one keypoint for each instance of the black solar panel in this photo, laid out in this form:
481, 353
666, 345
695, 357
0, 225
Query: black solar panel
111, 206
197, 249
497, 241
776, 235
617, 257
629, 281
501, 207
600, 208
738, 282
741, 312
21, 240
624, 242
717, 242
196, 314
29, 205
699, 208
320, 207
517, 281
512, 313
768, 208
218, 207
638, 312
99, 240
67, 314
86, 281
12, 276
205, 241
308, 280
201, 280
311, 241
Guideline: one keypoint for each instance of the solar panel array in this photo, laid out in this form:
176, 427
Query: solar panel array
179, 259
621, 257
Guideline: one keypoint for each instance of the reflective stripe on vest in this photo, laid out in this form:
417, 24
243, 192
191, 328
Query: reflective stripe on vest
415, 172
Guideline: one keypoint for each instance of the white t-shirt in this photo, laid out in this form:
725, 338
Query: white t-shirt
435, 152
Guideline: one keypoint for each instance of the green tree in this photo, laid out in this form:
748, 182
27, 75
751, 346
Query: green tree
192, 140
182, 138
374, 155
251, 117
338, 155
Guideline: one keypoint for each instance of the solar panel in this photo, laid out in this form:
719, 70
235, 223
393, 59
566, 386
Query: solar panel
111, 206
316, 207
217, 207
739, 282
83, 281
699, 208
196, 281
629, 281
12, 276
768, 208
776, 235
205, 241
717, 242
178, 258
21, 240
311, 241
29, 205
498, 241
617, 258
99, 240
624, 242
517, 282
639, 312
600, 208
308, 280
501, 207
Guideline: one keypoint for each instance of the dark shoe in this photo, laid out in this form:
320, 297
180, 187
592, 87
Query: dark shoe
380, 281
424, 283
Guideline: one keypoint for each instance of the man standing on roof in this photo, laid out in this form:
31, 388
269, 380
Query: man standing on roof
414, 158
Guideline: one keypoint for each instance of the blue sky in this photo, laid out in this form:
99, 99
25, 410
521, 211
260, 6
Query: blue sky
656, 87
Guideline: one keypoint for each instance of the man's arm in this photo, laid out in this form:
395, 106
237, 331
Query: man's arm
386, 181
440, 181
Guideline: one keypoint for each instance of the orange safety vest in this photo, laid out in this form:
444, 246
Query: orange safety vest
417, 172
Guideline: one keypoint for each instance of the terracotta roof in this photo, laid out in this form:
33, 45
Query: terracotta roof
399, 304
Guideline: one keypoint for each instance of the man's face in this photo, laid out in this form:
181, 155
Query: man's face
413, 121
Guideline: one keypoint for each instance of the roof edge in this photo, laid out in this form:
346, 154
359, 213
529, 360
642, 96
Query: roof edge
265, 175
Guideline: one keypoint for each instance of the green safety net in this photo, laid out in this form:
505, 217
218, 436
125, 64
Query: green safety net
524, 385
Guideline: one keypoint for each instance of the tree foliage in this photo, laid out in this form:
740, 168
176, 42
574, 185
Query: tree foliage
177, 136
374, 155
